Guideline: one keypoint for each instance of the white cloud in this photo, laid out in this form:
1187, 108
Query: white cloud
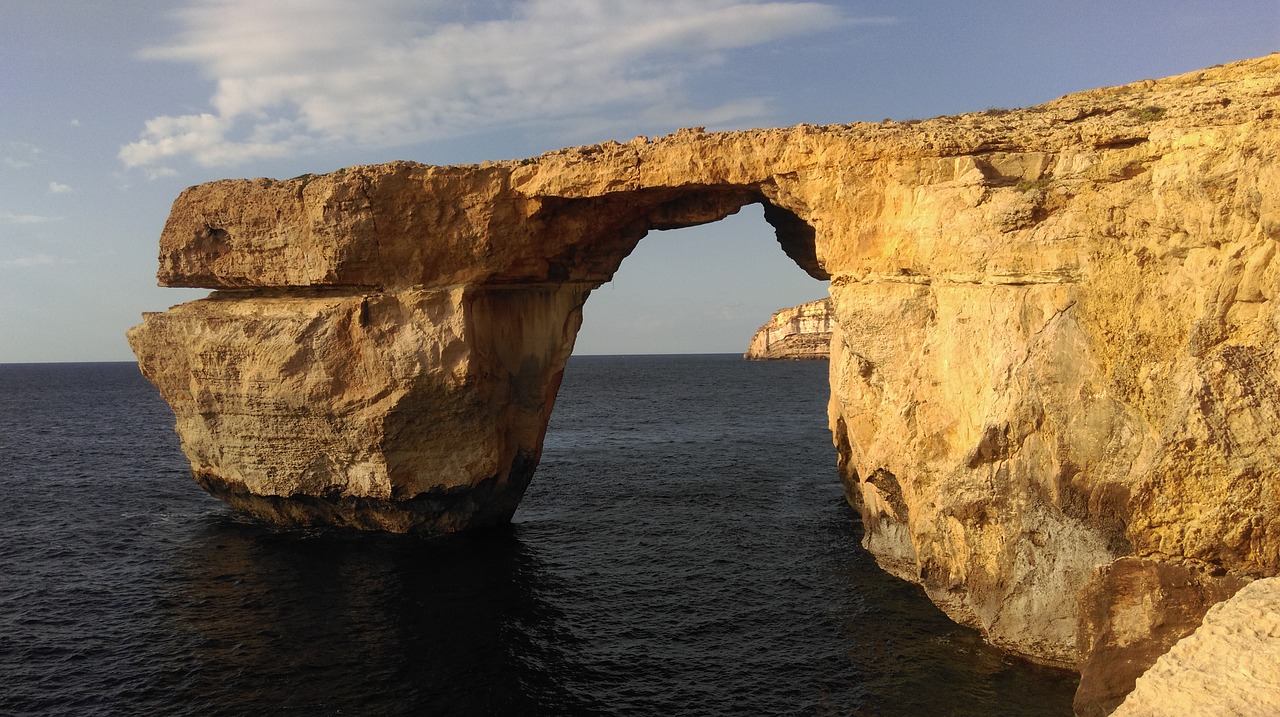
11, 218
20, 155
57, 188
293, 76
34, 260
159, 172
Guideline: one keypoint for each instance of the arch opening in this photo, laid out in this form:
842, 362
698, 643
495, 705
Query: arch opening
613, 224
701, 286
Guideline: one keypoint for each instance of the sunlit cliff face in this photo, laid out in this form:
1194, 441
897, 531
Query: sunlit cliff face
1053, 342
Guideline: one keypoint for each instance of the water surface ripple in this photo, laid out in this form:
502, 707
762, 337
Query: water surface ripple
684, 550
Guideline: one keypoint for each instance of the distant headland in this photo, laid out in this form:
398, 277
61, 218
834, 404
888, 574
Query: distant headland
797, 333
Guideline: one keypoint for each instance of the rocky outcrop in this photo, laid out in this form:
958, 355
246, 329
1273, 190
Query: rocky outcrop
407, 410
797, 333
1229, 667
1054, 341
1133, 611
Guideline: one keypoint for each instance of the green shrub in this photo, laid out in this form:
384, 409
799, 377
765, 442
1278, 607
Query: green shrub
1033, 185
1150, 113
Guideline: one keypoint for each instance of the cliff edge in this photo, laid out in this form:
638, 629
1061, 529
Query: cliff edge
796, 333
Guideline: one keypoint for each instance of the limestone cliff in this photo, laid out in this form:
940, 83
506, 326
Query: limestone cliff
1228, 667
797, 333
1054, 341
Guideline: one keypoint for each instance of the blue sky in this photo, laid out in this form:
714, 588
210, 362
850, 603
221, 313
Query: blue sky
111, 108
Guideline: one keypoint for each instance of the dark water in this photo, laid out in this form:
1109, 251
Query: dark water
684, 549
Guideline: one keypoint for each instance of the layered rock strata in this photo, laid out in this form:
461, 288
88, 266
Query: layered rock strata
1054, 339
796, 333
404, 410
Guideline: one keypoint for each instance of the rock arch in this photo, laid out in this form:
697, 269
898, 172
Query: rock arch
1054, 379
385, 343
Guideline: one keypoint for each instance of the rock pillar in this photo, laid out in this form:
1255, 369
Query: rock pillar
409, 411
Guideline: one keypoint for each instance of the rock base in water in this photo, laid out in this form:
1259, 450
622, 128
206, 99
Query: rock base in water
487, 504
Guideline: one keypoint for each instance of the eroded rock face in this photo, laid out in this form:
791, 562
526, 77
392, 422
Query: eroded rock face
415, 410
1132, 612
796, 333
1054, 341
1228, 667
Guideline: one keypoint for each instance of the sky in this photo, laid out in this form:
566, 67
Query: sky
109, 108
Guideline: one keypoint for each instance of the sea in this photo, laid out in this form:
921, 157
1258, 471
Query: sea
684, 549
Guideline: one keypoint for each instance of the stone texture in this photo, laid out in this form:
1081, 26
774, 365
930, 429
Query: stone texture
1229, 667
1054, 332
796, 333
419, 410
1133, 611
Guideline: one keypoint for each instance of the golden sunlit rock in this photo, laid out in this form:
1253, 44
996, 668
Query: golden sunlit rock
796, 333
1054, 334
